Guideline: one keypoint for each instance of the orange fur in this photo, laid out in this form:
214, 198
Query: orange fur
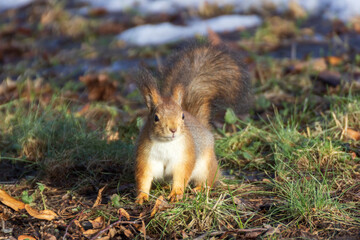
175, 139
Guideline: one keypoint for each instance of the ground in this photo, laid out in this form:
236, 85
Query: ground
70, 115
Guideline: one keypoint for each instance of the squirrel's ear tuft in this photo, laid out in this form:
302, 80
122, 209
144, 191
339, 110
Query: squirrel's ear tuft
178, 94
148, 87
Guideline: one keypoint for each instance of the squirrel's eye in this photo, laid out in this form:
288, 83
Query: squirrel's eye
183, 116
156, 118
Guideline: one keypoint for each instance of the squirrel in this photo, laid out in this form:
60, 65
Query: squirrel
176, 139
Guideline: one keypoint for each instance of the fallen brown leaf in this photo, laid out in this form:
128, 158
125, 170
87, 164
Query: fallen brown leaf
127, 232
352, 134
98, 222
48, 236
26, 237
99, 196
334, 61
78, 224
97, 12
160, 204
90, 232
110, 28
124, 213
10, 201
44, 214
100, 87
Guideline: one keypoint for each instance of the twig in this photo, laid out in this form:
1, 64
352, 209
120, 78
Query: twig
234, 231
111, 225
68, 226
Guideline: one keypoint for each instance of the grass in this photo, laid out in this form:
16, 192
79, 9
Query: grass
59, 142
306, 168
288, 165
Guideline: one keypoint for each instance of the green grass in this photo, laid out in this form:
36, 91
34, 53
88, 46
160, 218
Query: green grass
306, 169
58, 142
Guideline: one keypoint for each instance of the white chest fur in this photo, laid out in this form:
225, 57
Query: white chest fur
164, 157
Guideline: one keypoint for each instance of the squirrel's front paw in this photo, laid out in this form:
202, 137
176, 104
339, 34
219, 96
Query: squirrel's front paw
141, 198
175, 195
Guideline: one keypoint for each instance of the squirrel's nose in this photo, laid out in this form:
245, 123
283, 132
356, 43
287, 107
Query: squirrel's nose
173, 130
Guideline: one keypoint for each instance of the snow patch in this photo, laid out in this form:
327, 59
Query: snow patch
344, 9
7, 4
167, 32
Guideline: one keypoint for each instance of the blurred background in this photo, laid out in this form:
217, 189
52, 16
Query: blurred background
59, 41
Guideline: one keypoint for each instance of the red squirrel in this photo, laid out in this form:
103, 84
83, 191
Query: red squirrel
176, 139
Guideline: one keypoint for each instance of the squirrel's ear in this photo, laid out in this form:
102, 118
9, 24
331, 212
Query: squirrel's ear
148, 88
178, 94
152, 98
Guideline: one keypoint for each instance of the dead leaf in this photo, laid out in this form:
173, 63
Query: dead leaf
100, 87
112, 135
26, 237
124, 213
99, 196
90, 232
44, 214
160, 204
98, 222
112, 233
352, 134
334, 61
97, 12
78, 224
143, 228
127, 232
11, 202
110, 28
48, 236
317, 64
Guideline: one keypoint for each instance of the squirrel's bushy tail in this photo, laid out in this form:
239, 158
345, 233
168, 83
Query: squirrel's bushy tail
212, 78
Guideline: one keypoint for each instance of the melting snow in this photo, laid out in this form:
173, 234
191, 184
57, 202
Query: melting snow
8, 4
167, 32
344, 9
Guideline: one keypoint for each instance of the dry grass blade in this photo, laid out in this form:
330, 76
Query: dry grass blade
44, 214
99, 197
160, 204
